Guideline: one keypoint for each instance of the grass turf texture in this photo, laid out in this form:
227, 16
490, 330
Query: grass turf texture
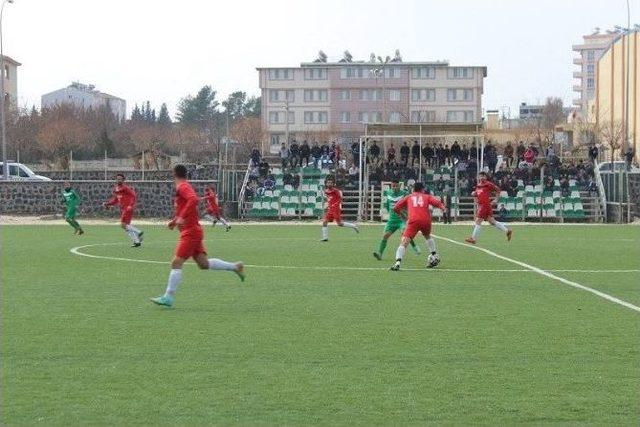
82, 344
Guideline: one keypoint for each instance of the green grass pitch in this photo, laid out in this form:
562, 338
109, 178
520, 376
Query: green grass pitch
320, 333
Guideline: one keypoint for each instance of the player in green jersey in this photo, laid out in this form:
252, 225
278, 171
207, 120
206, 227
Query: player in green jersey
71, 200
395, 222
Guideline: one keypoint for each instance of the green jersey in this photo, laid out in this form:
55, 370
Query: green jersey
390, 199
71, 198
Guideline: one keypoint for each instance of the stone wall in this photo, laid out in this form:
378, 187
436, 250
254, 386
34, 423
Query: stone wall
204, 173
155, 198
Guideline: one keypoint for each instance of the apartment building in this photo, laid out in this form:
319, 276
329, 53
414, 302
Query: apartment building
590, 51
11, 80
85, 96
334, 100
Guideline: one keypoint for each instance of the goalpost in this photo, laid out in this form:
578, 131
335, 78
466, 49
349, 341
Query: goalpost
365, 141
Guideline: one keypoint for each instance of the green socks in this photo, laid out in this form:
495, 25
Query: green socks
383, 245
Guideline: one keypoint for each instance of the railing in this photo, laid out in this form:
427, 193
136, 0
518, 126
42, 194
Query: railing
601, 193
245, 181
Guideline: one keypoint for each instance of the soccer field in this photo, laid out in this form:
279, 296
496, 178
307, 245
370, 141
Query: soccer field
322, 333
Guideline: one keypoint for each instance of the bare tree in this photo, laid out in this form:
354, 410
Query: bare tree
612, 136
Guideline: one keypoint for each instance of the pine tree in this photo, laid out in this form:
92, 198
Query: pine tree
163, 116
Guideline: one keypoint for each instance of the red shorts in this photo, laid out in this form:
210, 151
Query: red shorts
126, 215
484, 212
214, 212
333, 215
412, 229
190, 243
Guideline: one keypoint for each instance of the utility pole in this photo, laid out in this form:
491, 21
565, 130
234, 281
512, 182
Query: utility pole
5, 165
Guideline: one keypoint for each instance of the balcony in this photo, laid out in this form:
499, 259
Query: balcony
577, 61
577, 74
577, 88
577, 101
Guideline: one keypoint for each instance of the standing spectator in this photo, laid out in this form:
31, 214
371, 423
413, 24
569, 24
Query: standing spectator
415, 153
520, 149
374, 153
325, 154
455, 151
316, 153
464, 153
427, 154
529, 155
507, 154
255, 157
446, 153
355, 153
593, 153
551, 152
628, 157
263, 169
439, 155
391, 155
473, 151
305, 151
284, 155
491, 157
404, 154
294, 153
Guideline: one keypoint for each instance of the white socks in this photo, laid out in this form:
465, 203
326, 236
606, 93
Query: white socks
223, 221
325, 232
431, 244
175, 277
400, 252
476, 231
500, 226
349, 225
132, 232
218, 264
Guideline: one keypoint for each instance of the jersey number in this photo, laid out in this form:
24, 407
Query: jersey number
417, 201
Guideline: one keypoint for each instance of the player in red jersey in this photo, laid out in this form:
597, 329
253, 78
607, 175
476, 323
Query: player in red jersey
213, 209
483, 191
191, 243
125, 197
334, 209
417, 206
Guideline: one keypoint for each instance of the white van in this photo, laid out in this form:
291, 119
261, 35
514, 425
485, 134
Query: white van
19, 172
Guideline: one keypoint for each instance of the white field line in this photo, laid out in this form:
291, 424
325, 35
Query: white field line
546, 274
78, 251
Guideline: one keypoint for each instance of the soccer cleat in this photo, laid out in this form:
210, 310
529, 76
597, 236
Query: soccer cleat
240, 271
75, 231
324, 240
395, 266
140, 235
136, 244
470, 240
357, 230
164, 300
377, 256
80, 232
228, 228
509, 234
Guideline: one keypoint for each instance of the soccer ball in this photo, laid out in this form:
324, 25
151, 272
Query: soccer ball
433, 260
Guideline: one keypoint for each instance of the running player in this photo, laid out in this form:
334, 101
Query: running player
213, 209
71, 200
334, 209
419, 219
125, 197
190, 244
395, 222
483, 191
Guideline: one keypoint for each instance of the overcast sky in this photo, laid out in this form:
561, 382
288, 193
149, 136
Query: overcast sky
162, 50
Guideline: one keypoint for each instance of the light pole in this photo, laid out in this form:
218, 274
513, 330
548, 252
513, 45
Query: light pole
377, 72
5, 165
286, 119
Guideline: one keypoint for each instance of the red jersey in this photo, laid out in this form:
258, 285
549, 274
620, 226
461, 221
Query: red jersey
211, 199
334, 199
417, 206
483, 192
185, 204
123, 196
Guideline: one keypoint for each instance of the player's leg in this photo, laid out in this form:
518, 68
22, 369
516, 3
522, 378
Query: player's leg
415, 247
500, 226
476, 231
325, 228
388, 232
342, 223
224, 222
217, 264
210, 218
433, 259
401, 250
175, 277
132, 232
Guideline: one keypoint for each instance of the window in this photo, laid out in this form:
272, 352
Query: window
392, 72
591, 55
370, 94
590, 83
277, 138
590, 68
6, 72
363, 117
423, 73
354, 73
423, 95
394, 117
315, 117
315, 95
280, 74
394, 95
345, 95
459, 94
345, 117
375, 117
459, 116
423, 116
274, 117
281, 95
277, 117
315, 74
460, 73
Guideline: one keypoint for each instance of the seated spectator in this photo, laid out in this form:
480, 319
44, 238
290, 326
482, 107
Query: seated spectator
316, 154
287, 179
591, 187
503, 213
505, 185
549, 184
463, 186
374, 153
529, 155
564, 187
269, 183
263, 169
354, 172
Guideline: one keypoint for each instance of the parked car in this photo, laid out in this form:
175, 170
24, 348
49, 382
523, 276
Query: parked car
20, 172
